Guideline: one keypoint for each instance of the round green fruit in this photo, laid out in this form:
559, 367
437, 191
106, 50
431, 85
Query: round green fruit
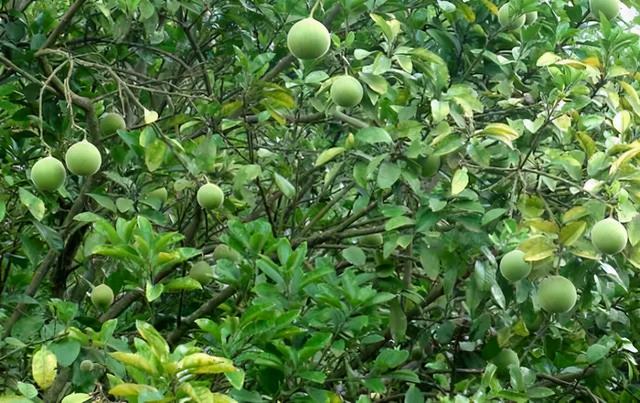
102, 297
509, 17
557, 294
86, 366
609, 236
83, 158
210, 196
225, 252
513, 266
346, 91
531, 17
610, 8
111, 123
371, 240
505, 359
202, 272
308, 39
48, 174
430, 165
159, 194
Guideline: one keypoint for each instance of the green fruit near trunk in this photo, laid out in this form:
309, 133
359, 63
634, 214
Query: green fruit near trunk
102, 297
610, 8
202, 272
48, 174
430, 165
226, 252
111, 123
510, 18
308, 39
609, 236
505, 359
83, 159
346, 91
557, 294
210, 196
513, 266
86, 366
371, 240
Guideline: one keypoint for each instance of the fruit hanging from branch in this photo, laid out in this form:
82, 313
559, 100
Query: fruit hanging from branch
48, 174
346, 91
308, 39
83, 159
557, 294
111, 123
210, 196
102, 297
609, 236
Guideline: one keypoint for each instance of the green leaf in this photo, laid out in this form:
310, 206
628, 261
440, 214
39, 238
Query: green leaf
492, 215
76, 398
87, 216
153, 291
388, 174
413, 395
354, 255
570, 233
103, 201
32, 202
397, 222
539, 392
285, 186
328, 155
235, 378
460, 181
44, 367
596, 352
500, 132
373, 135
27, 390
537, 248
397, 321
157, 343
66, 351
376, 82
182, 284
51, 236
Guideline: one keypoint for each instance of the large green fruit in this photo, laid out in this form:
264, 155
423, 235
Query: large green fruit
111, 123
609, 236
505, 359
48, 174
225, 252
83, 158
202, 272
371, 240
102, 297
513, 266
510, 18
308, 39
430, 165
610, 8
210, 196
557, 294
346, 91
86, 366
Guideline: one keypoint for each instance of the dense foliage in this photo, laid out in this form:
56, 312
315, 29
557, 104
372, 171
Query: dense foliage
192, 213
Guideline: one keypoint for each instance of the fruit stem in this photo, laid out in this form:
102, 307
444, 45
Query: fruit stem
313, 9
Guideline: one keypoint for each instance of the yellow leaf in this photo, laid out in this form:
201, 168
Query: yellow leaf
501, 132
624, 157
43, 368
490, 6
150, 116
572, 232
135, 361
220, 398
541, 225
574, 213
537, 248
206, 364
328, 155
130, 389
621, 121
547, 59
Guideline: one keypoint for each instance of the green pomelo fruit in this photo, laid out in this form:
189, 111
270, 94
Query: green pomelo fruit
513, 266
610, 8
505, 359
86, 366
48, 174
308, 39
430, 165
509, 17
111, 123
225, 252
557, 294
102, 297
346, 91
609, 236
371, 240
210, 196
83, 158
531, 17
202, 272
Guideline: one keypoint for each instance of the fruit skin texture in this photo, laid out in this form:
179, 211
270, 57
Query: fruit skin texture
371, 240
557, 294
506, 17
48, 174
610, 8
102, 297
86, 366
513, 266
505, 358
83, 158
609, 236
430, 165
111, 123
308, 39
225, 252
201, 272
210, 196
346, 91
531, 17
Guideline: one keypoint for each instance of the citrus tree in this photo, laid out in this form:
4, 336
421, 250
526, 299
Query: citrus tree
338, 200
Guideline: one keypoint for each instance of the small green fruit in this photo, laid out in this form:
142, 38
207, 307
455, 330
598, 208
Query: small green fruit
210, 196
111, 123
346, 91
610, 8
505, 359
531, 17
430, 165
102, 297
308, 39
86, 366
371, 240
557, 294
225, 252
83, 158
513, 266
609, 236
509, 17
48, 174
202, 272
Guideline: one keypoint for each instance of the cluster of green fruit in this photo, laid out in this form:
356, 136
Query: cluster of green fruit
82, 159
309, 39
557, 294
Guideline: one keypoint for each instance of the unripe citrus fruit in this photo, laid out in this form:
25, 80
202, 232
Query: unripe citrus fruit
210, 196
102, 297
86, 366
308, 39
371, 240
202, 272
509, 17
160, 194
610, 8
557, 294
48, 174
513, 266
531, 17
609, 236
225, 252
346, 91
430, 165
506, 358
83, 158
111, 123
